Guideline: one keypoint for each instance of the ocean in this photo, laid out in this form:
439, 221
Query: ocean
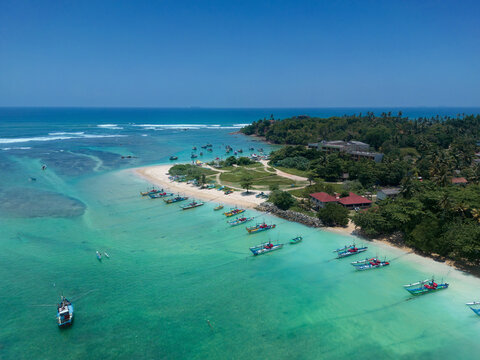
182, 284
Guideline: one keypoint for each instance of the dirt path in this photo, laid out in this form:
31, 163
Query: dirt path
284, 174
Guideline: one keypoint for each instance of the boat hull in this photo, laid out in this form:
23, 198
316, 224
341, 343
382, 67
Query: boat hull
262, 250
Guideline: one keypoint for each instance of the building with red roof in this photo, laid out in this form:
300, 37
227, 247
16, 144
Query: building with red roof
459, 181
320, 199
353, 201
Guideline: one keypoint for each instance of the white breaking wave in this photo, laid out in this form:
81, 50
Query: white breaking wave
241, 125
110, 126
17, 148
158, 127
54, 137
66, 133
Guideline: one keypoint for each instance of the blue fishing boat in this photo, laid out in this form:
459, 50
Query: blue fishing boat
175, 199
296, 240
159, 195
424, 287
474, 306
99, 256
64, 313
173, 157
239, 221
150, 192
265, 248
192, 205
351, 251
260, 227
344, 248
369, 264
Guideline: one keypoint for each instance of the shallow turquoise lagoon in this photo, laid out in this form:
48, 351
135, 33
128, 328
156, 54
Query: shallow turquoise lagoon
182, 284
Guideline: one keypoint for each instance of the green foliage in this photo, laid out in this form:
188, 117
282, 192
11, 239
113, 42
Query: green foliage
190, 171
433, 219
246, 182
282, 199
333, 215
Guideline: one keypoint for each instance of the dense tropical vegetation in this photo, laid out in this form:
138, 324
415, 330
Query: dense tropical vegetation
421, 156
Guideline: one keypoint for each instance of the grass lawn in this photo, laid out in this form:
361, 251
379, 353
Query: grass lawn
293, 171
261, 178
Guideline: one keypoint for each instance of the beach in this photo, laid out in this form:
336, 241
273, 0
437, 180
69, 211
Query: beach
158, 175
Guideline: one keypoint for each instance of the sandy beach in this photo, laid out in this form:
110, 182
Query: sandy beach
158, 175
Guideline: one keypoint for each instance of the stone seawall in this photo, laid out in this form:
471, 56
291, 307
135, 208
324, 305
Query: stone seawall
290, 215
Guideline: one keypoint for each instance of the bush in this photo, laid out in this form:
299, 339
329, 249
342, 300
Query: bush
282, 199
333, 215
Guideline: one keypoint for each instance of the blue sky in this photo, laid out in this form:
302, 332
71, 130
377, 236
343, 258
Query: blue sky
240, 53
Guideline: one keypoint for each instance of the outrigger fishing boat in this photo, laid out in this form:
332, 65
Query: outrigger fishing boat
474, 306
159, 195
149, 192
173, 157
296, 240
260, 227
193, 156
239, 221
192, 205
175, 199
64, 313
351, 251
99, 256
344, 248
219, 207
425, 286
368, 264
232, 212
264, 248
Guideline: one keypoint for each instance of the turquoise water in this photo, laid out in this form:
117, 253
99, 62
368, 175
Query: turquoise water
171, 271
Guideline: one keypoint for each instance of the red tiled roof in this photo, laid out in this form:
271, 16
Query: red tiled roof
353, 199
323, 197
459, 180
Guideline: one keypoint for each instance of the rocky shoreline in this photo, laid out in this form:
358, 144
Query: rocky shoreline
290, 215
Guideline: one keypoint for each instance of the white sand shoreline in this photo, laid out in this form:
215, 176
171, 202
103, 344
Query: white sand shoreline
158, 175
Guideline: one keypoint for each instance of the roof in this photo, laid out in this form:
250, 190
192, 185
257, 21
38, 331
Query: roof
459, 180
323, 197
390, 191
353, 199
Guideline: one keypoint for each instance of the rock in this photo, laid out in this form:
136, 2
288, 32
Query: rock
290, 215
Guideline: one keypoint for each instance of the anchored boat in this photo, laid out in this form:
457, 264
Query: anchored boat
425, 286
219, 207
239, 221
175, 199
474, 306
173, 157
345, 248
64, 313
264, 248
296, 240
369, 264
260, 227
99, 256
149, 192
351, 251
192, 205
233, 212
159, 195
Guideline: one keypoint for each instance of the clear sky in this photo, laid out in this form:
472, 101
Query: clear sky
229, 53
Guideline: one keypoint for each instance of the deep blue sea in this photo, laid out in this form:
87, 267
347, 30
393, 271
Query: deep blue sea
182, 285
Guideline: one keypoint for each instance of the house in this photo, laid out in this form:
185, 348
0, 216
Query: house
388, 193
320, 199
353, 201
459, 181
356, 149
